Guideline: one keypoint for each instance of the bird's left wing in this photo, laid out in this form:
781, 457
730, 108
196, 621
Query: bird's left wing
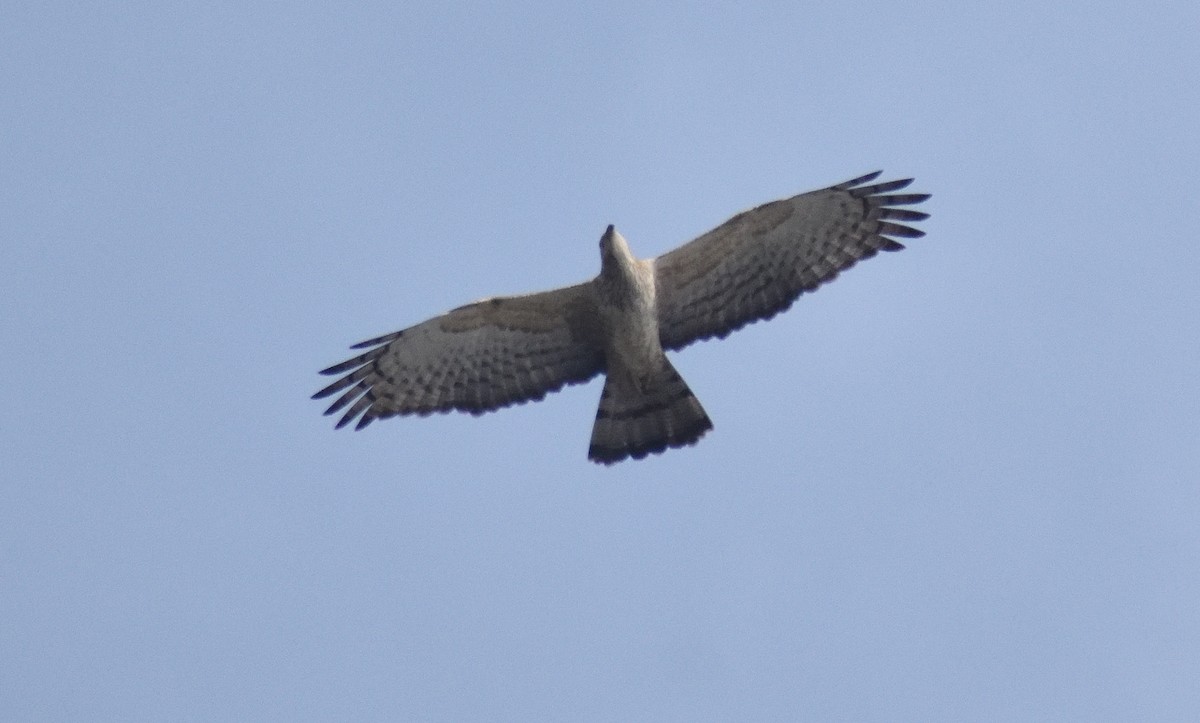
476, 358
755, 264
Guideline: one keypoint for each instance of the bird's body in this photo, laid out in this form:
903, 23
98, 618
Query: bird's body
625, 304
507, 350
645, 405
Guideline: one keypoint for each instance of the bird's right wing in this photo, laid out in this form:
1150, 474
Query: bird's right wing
476, 358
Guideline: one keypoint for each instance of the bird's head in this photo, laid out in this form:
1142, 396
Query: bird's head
613, 245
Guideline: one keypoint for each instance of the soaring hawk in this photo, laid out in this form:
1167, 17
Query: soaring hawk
508, 350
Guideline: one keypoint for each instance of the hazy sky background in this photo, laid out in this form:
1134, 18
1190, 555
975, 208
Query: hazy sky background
962, 482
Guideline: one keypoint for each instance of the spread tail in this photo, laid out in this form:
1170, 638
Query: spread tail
643, 415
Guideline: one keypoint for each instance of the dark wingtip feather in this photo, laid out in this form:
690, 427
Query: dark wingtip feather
378, 340
891, 245
845, 185
903, 199
343, 366
902, 214
328, 390
883, 187
353, 393
895, 229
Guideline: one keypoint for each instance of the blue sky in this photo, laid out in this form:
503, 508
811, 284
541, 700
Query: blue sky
961, 482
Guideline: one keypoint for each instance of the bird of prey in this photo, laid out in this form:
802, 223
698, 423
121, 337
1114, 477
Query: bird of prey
512, 349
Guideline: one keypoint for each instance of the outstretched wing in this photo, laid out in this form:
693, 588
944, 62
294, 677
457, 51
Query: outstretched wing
476, 358
757, 263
